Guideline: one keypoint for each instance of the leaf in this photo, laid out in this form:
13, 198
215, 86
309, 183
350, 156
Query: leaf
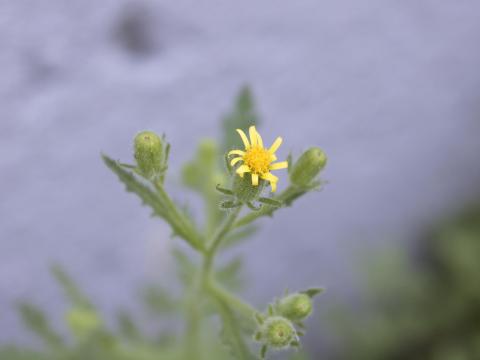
147, 196
186, 269
159, 300
229, 274
159, 202
71, 290
231, 334
127, 326
13, 353
229, 204
201, 172
313, 291
271, 202
241, 116
35, 319
238, 235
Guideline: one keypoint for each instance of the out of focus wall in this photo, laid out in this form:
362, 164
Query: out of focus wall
390, 89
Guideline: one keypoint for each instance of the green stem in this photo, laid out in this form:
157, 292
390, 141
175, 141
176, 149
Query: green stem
179, 222
217, 239
193, 324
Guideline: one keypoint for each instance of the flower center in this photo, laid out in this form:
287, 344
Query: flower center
258, 159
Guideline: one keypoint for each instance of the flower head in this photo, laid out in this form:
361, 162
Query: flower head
257, 160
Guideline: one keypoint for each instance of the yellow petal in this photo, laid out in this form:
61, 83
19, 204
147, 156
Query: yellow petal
273, 184
237, 159
244, 138
259, 140
279, 165
276, 144
269, 177
253, 135
236, 152
243, 169
274, 157
254, 179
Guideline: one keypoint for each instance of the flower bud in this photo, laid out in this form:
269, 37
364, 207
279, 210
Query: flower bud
296, 306
149, 154
278, 332
308, 166
82, 321
243, 188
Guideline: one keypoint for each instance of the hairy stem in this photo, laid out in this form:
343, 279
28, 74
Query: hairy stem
224, 229
188, 231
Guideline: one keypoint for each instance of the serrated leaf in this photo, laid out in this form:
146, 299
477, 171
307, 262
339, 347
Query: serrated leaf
229, 274
160, 203
241, 116
36, 321
231, 334
147, 196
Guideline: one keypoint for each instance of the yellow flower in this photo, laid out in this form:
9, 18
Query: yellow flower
256, 159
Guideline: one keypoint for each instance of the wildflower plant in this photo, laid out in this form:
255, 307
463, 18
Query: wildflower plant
238, 188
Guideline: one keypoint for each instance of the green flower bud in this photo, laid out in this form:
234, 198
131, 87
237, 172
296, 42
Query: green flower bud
149, 154
82, 322
308, 166
296, 306
244, 190
277, 332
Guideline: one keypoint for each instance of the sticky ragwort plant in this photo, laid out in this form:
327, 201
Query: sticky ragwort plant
233, 183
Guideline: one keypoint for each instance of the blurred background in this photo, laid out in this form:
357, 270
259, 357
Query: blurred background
389, 89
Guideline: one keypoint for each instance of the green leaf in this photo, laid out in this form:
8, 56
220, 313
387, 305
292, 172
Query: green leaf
159, 301
271, 202
229, 204
313, 291
223, 190
13, 353
127, 327
241, 116
263, 351
159, 202
71, 290
148, 197
186, 269
231, 334
36, 321
229, 274
238, 235
202, 174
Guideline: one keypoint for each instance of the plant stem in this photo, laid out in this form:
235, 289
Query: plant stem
217, 240
186, 228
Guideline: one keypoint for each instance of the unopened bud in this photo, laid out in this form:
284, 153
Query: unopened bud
296, 306
278, 332
308, 166
82, 322
149, 154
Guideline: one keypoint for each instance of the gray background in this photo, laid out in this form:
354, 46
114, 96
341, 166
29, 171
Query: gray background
390, 89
